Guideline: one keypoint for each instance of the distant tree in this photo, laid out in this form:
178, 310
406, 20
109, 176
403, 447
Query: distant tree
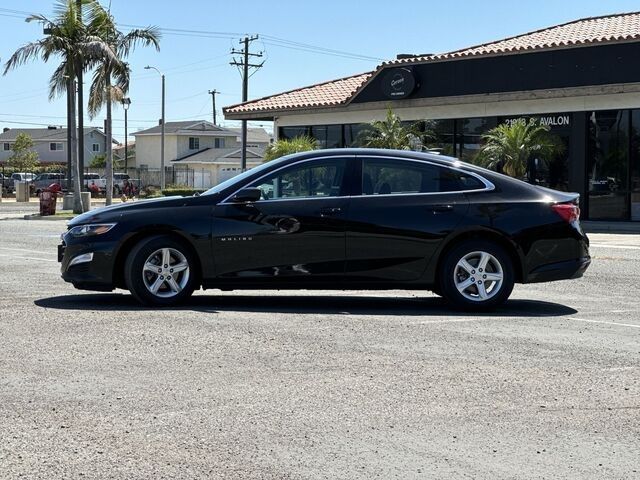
69, 43
510, 147
284, 147
393, 134
23, 158
112, 73
99, 161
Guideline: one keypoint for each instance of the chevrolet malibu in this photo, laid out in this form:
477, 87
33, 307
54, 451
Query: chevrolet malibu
336, 219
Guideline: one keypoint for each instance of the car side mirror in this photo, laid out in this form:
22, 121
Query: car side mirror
252, 194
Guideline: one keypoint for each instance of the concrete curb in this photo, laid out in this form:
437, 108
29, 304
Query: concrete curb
37, 216
610, 227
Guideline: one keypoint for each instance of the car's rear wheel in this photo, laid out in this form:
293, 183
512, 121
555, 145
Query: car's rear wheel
160, 271
476, 275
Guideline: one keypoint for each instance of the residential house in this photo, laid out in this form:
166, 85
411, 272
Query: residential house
51, 143
212, 152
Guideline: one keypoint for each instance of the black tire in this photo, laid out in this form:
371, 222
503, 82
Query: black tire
450, 273
137, 278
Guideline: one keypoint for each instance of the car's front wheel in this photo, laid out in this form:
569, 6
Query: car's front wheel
160, 271
477, 275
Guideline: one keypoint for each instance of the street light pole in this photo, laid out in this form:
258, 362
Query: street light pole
162, 180
126, 103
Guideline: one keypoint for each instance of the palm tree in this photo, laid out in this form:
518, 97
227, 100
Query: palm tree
67, 39
285, 146
391, 133
111, 76
510, 146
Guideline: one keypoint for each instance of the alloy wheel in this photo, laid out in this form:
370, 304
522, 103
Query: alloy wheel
166, 272
478, 276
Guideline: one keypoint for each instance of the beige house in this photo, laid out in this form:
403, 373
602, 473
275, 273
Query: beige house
210, 151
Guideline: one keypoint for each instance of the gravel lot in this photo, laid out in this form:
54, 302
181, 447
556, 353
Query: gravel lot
317, 384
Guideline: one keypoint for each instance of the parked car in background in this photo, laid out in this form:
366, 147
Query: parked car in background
45, 180
345, 219
20, 177
118, 182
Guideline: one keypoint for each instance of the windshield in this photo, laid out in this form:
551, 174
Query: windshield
239, 178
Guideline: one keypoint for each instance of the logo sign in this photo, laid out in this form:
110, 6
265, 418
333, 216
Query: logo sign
398, 83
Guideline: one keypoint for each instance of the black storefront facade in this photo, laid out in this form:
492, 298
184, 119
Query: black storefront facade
588, 95
600, 158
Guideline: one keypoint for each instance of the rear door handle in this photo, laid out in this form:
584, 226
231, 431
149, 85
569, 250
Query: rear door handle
330, 211
441, 208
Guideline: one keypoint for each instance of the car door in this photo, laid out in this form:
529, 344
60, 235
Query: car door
404, 211
295, 233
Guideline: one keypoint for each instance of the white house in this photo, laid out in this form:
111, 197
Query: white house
51, 143
212, 152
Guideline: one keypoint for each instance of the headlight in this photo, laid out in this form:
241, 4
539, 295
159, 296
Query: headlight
91, 229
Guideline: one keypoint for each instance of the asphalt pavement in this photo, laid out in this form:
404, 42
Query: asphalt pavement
335, 385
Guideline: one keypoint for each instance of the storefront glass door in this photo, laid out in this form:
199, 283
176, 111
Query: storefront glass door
608, 165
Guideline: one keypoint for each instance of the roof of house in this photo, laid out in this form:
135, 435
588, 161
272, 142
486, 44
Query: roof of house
615, 28
255, 134
211, 155
42, 134
187, 128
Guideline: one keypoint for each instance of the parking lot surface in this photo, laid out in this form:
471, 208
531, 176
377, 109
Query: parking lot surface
317, 384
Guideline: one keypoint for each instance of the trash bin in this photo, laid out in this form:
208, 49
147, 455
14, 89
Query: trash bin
47, 203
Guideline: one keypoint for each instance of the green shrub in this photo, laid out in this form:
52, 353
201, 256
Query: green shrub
183, 191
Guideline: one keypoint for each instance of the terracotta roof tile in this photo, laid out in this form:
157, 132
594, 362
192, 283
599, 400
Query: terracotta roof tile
334, 92
609, 28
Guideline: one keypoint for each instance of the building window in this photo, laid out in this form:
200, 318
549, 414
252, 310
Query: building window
6, 147
608, 165
194, 143
95, 147
219, 143
56, 146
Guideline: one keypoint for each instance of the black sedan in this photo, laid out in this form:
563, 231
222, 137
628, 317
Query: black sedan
336, 219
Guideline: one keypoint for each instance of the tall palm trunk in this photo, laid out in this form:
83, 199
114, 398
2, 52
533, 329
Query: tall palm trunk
77, 190
109, 151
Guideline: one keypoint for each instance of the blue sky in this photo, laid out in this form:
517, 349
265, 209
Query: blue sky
194, 63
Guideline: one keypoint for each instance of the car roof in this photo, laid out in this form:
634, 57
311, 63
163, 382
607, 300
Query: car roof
435, 157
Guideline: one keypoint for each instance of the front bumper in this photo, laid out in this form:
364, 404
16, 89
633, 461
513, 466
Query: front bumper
559, 270
96, 274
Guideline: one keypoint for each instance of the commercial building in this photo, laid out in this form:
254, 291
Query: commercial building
582, 79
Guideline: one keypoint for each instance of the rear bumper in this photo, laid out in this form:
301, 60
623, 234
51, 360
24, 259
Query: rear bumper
559, 270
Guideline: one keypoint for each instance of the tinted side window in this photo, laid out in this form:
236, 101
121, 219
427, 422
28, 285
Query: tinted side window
307, 180
384, 177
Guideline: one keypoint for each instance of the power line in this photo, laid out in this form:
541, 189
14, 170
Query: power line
269, 39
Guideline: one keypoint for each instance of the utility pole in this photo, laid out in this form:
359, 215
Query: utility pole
244, 63
213, 98
80, 109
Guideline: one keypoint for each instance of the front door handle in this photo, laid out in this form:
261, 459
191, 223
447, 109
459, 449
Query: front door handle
330, 211
441, 208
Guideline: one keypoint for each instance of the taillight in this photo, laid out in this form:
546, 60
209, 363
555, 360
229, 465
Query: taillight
568, 211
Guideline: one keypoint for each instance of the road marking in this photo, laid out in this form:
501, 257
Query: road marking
21, 250
18, 257
606, 323
624, 247
455, 320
